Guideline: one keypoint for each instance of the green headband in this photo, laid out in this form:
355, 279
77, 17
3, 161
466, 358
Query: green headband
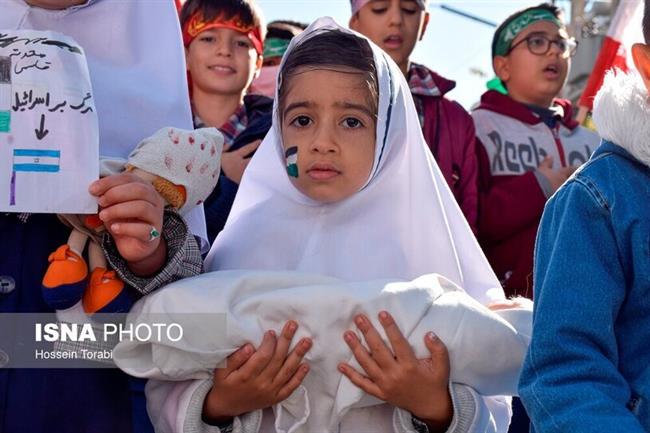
274, 47
510, 32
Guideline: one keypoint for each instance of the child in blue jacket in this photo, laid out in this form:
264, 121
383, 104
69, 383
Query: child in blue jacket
588, 366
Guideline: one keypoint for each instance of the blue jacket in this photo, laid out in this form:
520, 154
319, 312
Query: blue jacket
588, 365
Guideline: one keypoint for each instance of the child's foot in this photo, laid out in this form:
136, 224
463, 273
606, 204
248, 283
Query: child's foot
65, 279
106, 293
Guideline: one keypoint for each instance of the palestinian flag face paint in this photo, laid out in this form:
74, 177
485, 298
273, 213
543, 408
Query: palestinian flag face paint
291, 156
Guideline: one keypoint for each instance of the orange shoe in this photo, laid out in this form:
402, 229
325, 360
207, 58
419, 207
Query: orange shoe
106, 293
65, 279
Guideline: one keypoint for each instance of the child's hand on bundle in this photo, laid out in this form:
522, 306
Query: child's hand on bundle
257, 379
511, 304
130, 208
397, 377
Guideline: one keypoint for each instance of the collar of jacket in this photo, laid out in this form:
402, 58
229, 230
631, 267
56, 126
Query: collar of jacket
254, 104
504, 104
441, 84
622, 114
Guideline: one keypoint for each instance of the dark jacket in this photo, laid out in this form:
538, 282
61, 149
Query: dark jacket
70, 400
217, 206
46, 400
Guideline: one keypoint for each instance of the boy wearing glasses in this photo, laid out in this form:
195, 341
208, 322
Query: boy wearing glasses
529, 142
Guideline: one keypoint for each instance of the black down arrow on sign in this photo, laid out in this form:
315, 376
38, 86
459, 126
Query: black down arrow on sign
41, 132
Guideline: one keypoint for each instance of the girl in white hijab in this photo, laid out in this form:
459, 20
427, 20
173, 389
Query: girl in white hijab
344, 186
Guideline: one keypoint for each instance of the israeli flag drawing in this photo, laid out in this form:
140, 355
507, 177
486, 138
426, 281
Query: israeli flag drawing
34, 161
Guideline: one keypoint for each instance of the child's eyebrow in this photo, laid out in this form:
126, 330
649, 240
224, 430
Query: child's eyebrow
350, 105
299, 104
386, 1
540, 33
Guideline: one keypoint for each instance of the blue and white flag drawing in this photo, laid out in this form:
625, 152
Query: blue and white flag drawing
37, 160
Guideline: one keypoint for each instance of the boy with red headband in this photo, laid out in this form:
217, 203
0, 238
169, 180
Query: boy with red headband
396, 26
224, 43
530, 142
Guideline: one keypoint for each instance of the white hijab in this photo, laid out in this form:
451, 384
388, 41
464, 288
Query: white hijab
404, 223
137, 68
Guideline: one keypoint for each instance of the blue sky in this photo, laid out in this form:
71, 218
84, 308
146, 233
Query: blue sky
453, 46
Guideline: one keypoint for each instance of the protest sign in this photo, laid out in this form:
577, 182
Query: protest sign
49, 139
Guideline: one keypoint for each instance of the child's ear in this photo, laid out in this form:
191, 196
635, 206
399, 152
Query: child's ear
258, 65
187, 60
425, 24
501, 66
354, 21
641, 57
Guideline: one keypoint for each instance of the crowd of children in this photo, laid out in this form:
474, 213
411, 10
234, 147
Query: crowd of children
363, 169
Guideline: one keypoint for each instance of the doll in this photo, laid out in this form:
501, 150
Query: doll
183, 167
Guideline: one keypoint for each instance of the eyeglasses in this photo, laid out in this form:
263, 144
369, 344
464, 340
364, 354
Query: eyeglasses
540, 45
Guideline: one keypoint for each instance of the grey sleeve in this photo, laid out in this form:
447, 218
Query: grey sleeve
461, 422
247, 423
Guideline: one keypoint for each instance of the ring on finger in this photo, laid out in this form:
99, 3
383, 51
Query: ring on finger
153, 234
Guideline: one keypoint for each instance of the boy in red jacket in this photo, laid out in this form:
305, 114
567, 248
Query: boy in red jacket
396, 26
530, 143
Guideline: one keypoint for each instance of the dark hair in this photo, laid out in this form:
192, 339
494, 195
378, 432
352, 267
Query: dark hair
284, 29
332, 49
246, 10
646, 22
556, 11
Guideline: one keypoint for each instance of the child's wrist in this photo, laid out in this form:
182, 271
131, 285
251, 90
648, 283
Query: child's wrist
213, 413
151, 264
439, 417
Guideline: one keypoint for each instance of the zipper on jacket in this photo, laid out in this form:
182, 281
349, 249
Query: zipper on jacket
558, 143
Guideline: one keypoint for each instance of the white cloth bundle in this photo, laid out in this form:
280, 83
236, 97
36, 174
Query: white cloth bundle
485, 351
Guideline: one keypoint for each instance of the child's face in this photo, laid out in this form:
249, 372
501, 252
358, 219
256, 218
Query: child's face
222, 61
393, 25
55, 4
532, 78
328, 117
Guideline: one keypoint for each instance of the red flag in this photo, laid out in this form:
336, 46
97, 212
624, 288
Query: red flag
624, 31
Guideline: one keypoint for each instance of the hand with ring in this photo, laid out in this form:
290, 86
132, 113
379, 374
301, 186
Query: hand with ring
132, 211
